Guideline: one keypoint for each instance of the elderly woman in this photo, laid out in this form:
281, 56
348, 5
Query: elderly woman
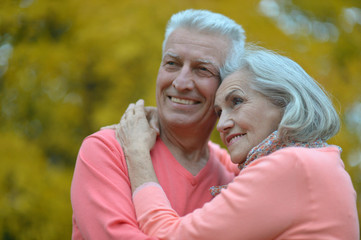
274, 120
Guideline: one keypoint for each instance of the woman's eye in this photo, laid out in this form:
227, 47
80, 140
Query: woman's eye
237, 100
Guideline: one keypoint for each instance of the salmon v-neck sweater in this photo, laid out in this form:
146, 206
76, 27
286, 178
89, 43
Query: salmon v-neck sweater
101, 195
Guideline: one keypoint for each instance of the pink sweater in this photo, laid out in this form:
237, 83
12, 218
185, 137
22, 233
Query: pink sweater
293, 193
101, 195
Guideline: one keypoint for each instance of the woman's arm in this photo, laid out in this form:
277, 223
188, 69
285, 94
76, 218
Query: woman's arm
262, 203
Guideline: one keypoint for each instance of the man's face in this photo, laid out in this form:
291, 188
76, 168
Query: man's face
189, 77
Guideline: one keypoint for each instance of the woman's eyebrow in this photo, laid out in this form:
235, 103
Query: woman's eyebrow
230, 94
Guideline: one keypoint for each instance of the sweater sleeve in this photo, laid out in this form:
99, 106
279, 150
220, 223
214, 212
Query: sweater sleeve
255, 206
100, 192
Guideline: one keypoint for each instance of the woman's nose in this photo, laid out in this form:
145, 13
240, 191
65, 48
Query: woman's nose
224, 123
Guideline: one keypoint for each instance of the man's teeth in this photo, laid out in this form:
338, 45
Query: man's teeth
182, 101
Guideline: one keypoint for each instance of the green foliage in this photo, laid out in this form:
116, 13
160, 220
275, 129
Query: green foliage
69, 67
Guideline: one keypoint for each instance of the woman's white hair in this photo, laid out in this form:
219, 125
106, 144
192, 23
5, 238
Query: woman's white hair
308, 112
215, 23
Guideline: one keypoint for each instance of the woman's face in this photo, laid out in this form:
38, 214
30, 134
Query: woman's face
246, 117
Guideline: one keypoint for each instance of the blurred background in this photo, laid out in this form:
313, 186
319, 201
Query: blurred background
69, 67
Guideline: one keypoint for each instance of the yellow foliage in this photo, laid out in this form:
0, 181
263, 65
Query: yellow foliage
34, 196
74, 66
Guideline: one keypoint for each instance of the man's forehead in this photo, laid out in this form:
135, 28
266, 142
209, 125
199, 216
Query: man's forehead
210, 47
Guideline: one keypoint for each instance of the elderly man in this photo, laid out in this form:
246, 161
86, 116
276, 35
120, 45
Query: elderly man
199, 49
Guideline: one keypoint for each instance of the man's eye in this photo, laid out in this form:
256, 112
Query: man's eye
205, 72
170, 63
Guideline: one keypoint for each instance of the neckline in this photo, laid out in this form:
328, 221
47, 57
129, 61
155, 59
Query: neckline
182, 170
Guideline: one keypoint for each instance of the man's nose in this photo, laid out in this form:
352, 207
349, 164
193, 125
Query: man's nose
184, 80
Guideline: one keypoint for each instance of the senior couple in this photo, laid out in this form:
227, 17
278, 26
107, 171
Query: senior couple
280, 180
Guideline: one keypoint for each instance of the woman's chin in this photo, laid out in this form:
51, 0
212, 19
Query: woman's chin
237, 160
238, 154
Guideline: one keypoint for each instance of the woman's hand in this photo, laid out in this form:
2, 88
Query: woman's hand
134, 131
137, 138
151, 115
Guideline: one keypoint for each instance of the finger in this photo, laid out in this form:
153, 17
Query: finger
154, 124
128, 112
130, 109
152, 117
118, 133
139, 108
149, 111
140, 102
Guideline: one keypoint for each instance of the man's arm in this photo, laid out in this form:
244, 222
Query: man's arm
101, 193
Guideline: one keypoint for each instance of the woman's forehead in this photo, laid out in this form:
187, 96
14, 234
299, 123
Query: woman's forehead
235, 80
235, 83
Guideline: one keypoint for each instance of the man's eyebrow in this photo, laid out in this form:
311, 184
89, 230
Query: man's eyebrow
204, 61
173, 55
213, 65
